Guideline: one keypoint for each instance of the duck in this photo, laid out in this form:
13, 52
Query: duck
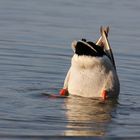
93, 72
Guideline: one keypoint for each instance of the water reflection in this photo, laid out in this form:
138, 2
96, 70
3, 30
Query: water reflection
88, 117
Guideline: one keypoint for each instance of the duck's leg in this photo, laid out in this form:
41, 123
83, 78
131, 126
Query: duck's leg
104, 95
64, 90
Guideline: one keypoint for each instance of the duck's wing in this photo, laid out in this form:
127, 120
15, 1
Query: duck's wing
99, 42
104, 42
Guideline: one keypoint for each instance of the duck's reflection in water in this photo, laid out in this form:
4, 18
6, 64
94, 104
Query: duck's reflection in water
88, 117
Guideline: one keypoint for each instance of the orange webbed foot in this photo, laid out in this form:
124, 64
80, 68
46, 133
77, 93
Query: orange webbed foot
104, 95
64, 92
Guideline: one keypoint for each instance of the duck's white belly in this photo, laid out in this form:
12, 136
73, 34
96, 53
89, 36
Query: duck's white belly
90, 82
87, 83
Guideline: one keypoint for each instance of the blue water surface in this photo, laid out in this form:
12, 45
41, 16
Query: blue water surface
35, 54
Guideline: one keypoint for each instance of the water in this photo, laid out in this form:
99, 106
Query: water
35, 53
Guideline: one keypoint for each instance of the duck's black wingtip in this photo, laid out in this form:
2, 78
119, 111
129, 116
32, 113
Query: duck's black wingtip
105, 30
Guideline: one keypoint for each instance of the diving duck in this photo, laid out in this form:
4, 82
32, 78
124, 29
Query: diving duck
93, 71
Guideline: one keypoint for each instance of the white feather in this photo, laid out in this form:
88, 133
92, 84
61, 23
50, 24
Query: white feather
88, 76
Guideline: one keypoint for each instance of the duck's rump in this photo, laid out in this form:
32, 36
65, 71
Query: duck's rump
90, 82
